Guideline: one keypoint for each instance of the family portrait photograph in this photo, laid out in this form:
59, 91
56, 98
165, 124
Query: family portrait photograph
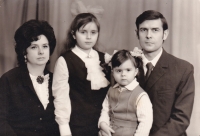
99, 67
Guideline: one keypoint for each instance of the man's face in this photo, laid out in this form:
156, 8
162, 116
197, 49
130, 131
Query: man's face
151, 36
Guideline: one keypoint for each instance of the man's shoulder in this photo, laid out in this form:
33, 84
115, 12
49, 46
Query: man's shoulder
178, 61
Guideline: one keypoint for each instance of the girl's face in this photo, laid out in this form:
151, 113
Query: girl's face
87, 36
38, 52
125, 73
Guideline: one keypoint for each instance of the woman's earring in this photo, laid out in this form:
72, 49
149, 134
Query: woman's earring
74, 37
25, 59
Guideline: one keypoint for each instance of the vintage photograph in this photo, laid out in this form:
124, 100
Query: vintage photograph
99, 67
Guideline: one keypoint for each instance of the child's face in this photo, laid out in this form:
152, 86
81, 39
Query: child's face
87, 36
125, 73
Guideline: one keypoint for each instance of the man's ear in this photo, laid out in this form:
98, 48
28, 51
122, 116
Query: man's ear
137, 33
165, 34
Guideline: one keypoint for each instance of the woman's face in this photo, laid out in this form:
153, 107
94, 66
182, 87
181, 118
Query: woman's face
38, 52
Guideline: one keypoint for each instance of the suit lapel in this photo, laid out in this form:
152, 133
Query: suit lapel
26, 80
159, 70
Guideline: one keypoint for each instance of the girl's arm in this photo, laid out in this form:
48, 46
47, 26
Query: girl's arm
144, 114
104, 120
62, 101
104, 113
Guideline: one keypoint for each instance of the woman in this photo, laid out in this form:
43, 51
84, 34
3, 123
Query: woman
26, 107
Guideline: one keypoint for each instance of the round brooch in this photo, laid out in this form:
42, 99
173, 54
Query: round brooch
40, 79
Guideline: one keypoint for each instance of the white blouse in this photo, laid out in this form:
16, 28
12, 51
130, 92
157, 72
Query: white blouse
61, 87
41, 90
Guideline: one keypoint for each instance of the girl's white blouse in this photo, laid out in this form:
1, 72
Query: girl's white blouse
61, 88
94, 71
41, 90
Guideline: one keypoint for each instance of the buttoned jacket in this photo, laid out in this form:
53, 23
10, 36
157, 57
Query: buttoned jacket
21, 112
171, 91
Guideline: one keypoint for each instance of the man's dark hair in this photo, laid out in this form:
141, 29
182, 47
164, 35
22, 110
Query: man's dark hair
151, 15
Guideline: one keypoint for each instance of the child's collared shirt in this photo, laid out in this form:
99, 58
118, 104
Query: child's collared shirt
143, 109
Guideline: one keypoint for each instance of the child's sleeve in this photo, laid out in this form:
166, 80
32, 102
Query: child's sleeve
105, 112
62, 101
145, 115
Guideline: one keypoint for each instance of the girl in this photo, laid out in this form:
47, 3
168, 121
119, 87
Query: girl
127, 110
26, 107
79, 78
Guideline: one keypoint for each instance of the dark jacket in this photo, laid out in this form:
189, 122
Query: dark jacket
21, 112
171, 91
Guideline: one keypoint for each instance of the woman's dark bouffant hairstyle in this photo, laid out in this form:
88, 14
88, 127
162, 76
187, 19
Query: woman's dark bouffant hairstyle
123, 55
80, 20
29, 32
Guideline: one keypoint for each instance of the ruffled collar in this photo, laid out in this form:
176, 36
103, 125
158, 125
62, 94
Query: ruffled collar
94, 71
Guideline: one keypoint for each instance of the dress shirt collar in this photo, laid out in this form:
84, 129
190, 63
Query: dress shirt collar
154, 61
82, 54
129, 87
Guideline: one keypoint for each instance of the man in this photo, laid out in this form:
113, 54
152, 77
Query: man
170, 85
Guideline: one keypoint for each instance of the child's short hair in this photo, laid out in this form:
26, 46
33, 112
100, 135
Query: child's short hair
79, 21
123, 55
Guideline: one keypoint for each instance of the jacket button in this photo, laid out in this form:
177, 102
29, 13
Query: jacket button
40, 118
38, 106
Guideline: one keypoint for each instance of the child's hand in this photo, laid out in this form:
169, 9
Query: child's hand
105, 130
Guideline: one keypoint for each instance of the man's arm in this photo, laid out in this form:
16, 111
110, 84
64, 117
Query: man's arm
183, 105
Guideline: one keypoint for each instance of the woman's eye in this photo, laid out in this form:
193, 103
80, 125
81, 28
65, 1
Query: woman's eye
46, 46
33, 47
128, 69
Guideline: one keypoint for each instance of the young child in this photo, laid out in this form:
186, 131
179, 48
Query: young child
127, 110
79, 79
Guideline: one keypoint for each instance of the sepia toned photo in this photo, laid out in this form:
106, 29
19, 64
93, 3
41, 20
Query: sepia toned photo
99, 67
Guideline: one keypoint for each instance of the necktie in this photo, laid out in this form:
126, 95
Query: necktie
149, 69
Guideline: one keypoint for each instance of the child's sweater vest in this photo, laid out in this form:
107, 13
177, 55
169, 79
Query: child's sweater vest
122, 111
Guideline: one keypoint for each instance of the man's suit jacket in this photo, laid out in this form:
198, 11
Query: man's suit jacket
171, 91
21, 112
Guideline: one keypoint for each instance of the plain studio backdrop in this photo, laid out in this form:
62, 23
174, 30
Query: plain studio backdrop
117, 30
